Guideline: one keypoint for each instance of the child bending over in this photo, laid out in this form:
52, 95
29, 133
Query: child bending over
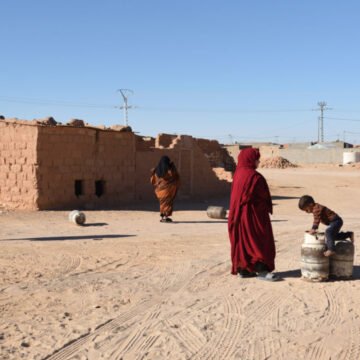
327, 217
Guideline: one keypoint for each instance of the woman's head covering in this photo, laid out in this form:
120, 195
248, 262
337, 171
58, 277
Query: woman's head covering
245, 177
163, 167
248, 157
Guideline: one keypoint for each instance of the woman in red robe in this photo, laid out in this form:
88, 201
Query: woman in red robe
249, 226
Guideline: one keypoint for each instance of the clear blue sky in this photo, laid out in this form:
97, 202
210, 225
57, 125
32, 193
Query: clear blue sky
252, 69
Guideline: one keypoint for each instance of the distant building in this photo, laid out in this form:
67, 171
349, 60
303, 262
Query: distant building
299, 153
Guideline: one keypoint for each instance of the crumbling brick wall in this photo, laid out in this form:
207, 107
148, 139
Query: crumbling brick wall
18, 165
144, 143
45, 165
198, 180
217, 155
164, 140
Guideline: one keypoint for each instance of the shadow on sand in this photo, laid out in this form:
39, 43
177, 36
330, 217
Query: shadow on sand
289, 274
290, 187
297, 274
280, 197
95, 224
356, 272
201, 222
62, 238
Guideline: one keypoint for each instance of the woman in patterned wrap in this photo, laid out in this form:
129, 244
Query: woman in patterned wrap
166, 181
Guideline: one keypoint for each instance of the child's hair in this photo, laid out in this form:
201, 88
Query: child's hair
305, 201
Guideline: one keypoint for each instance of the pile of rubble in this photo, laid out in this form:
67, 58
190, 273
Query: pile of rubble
276, 162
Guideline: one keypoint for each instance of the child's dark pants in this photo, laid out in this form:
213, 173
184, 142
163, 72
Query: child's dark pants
333, 233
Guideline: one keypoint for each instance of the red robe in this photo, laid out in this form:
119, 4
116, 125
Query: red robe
249, 225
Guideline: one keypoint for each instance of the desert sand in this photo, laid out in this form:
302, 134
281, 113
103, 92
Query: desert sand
129, 287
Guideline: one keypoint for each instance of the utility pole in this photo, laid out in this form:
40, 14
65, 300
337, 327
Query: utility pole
125, 93
322, 108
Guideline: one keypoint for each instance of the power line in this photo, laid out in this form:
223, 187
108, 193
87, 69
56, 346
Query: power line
52, 102
342, 119
46, 102
222, 111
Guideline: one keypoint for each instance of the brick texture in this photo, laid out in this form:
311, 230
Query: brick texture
68, 167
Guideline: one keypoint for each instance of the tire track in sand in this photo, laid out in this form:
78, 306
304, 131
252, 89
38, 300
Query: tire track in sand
68, 264
353, 353
189, 337
137, 344
330, 318
136, 340
224, 346
353, 350
73, 347
265, 306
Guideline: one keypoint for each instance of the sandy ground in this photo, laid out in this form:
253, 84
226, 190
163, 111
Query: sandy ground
129, 287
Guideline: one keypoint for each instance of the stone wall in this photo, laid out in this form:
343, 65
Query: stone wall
18, 165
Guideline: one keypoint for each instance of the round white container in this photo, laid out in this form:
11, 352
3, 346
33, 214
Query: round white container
77, 217
216, 212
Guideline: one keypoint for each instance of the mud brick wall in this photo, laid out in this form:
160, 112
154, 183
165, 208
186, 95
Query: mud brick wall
194, 167
67, 156
198, 180
18, 167
217, 155
164, 140
64, 167
144, 144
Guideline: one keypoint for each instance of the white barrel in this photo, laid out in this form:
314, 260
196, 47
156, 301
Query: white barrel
216, 212
341, 264
77, 217
314, 265
351, 157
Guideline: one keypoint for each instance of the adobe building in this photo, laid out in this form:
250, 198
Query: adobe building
47, 165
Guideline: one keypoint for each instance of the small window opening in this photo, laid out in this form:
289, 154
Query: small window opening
99, 187
79, 187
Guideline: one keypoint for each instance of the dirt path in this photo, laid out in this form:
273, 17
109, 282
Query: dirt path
129, 287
